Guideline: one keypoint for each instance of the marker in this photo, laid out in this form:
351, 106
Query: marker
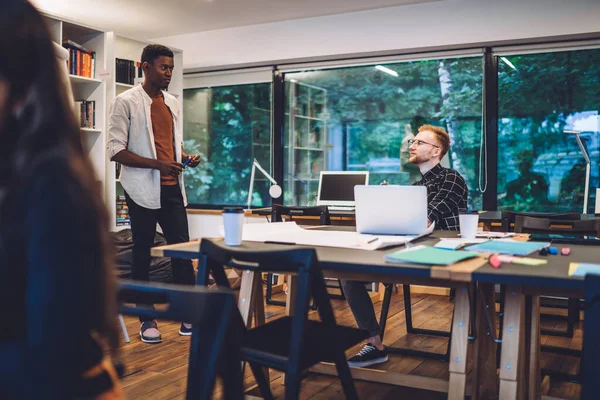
186, 162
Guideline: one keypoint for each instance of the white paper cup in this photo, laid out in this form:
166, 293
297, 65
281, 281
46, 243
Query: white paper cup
233, 223
468, 225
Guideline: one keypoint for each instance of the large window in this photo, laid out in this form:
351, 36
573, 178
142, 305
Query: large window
229, 126
540, 168
360, 118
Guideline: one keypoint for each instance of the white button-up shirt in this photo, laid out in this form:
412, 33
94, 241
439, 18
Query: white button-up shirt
130, 128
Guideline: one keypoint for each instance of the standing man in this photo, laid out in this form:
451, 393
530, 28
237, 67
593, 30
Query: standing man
446, 198
144, 136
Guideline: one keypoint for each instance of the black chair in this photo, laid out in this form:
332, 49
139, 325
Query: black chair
293, 343
277, 214
509, 217
591, 338
216, 337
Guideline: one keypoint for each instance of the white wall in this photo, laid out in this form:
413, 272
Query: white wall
444, 23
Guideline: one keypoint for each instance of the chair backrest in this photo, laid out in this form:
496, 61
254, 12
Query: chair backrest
509, 217
216, 340
591, 338
548, 225
292, 211
289, 259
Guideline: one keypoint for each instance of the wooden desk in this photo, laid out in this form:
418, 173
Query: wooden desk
368, 266
520, 367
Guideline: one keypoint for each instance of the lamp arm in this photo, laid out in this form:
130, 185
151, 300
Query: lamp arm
582, 148
265, 173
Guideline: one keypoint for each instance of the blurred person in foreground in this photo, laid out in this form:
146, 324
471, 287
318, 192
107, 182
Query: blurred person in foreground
57, 301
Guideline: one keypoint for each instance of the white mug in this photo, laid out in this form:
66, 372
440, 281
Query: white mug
468, 225
233, 222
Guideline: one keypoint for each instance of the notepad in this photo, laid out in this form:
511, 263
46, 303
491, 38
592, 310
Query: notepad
582, 269
514, 248
428, 255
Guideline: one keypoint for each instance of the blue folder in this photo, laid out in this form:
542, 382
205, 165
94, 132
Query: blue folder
507, 247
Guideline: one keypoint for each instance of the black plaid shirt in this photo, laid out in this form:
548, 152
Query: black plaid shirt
446, 196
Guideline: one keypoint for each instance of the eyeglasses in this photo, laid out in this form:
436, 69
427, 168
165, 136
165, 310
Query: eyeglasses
420, 142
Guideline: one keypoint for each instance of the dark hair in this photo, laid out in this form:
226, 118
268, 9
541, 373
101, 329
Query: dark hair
38, 123
153, 51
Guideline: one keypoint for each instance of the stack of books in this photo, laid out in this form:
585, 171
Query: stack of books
85, 112
127, 71
82, 62
122, 211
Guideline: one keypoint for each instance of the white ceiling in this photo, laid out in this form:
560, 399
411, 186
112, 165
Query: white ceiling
159, 18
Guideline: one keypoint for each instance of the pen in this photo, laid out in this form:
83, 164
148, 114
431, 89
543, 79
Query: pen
372, 240
273, 242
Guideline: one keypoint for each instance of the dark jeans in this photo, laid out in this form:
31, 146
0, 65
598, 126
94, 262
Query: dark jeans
172, 218
362, 307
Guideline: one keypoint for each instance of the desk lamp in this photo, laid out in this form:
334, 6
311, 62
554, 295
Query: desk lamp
587, 167
274, 190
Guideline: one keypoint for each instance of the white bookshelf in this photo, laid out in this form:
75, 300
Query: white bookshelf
103, 88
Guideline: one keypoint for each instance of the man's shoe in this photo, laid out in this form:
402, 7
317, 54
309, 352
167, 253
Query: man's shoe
184, 330
149, 332
369, 355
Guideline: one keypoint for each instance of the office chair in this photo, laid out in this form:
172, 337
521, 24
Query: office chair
277, 214
591, 339
216, 336
293, 343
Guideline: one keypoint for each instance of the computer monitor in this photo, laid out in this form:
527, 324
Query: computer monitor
336, 188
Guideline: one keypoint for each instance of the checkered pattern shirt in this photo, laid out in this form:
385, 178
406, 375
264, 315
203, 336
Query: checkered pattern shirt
446, 196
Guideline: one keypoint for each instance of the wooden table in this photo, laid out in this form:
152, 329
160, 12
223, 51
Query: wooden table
366, 265
519, 362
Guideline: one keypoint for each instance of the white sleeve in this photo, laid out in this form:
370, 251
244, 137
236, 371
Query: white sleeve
118, 127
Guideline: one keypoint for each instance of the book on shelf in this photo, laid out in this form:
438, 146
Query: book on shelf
122, 211
82, 61
127, 70
85, 112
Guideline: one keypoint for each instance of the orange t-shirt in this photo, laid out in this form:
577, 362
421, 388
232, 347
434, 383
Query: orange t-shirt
162, 126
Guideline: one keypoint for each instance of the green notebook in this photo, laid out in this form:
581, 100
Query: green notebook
428, 255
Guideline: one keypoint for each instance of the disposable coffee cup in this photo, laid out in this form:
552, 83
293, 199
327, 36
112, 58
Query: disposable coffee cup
233, 222
468, 225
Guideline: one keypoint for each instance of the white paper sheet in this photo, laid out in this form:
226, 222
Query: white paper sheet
290, 233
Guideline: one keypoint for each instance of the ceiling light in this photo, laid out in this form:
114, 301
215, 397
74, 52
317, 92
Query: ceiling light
386, 70
508, 63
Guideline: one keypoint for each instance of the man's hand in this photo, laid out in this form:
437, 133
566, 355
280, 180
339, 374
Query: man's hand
195, 160
172, 168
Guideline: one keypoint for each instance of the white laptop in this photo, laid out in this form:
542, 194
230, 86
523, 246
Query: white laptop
391, 210
336, 188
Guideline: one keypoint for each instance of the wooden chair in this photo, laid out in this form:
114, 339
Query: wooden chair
293, 343
591, 338
277, 214
216, 337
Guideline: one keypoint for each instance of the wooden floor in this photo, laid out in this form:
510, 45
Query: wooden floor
159, 371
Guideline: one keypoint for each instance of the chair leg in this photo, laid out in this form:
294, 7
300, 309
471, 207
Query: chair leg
124, 328
343, 370
407, 308
269, 292
385, 307
261, 380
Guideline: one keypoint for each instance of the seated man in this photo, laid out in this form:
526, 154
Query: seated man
446, 197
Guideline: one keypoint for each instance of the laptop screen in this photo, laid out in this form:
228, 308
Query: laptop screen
336, 188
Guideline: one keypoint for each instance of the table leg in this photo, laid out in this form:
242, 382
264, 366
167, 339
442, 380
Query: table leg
512, 344
459, 345
486, 380
532, 326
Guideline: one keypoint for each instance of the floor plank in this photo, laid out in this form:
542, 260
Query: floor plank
159, 371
